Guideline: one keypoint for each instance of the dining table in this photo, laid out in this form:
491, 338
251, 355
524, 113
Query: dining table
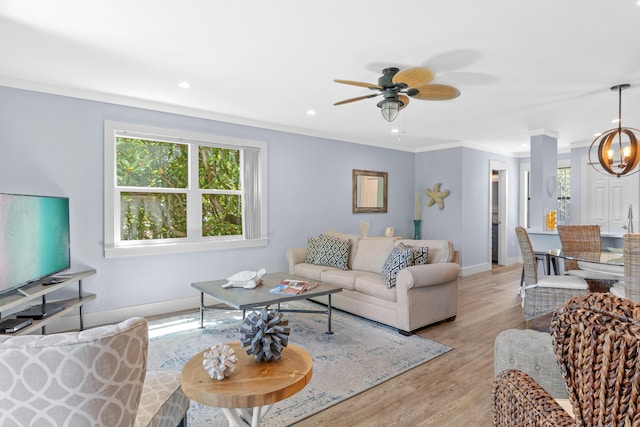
610, 262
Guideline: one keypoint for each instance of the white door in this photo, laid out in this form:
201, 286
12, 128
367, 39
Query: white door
609, 198
598, 185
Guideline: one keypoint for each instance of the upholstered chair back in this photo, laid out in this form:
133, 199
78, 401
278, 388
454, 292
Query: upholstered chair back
597, 343
88, 378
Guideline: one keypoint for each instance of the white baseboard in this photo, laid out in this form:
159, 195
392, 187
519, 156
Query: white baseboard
479, 268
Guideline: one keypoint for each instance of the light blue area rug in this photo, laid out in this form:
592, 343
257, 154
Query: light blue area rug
359, 355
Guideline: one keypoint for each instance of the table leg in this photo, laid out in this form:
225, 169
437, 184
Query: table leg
554, 262
547, 267
245, 417
329, 331
201, 310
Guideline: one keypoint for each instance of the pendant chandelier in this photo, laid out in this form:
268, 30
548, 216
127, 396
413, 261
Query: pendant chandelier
618, 151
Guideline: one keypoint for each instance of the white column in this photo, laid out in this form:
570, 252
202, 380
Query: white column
543, 178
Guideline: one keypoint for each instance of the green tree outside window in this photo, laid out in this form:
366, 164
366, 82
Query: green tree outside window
153, 178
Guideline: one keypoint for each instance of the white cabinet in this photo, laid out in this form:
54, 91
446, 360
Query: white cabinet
608, 199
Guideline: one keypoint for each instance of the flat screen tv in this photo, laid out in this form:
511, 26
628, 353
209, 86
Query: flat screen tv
34, 238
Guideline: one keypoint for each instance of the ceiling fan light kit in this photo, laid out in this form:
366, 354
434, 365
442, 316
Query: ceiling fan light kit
389, 109
397, 86
619, 158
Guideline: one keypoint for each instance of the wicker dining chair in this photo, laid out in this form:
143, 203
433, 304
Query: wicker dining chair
584, 238
596, 339
579, 238
543, 295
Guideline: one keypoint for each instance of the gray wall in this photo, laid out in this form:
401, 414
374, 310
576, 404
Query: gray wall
53, 145
465, 219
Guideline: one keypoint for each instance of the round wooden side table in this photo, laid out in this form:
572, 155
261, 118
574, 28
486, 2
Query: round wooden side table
248, 393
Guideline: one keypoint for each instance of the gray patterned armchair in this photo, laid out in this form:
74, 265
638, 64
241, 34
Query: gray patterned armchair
95, 377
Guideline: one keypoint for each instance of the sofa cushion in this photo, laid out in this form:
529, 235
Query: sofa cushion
373, 285
162, 402
340, 278
400, 257
310, 271
439, 250
327, 250
353, 238
372, 254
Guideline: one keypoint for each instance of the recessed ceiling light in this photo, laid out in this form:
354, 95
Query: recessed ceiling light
395, 130
184, 85
311, 112
615, 120
597, 134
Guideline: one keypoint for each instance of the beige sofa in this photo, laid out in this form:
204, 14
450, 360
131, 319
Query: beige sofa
422, 295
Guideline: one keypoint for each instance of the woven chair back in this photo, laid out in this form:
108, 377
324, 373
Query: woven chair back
597, 343
631, 247
528, 257
579, 238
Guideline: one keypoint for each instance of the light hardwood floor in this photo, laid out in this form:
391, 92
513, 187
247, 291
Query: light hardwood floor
455, 388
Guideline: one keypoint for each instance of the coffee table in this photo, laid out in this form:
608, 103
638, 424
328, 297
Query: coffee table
252, 388
244, 299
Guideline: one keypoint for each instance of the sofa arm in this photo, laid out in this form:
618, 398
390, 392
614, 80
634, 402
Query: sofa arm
518, 400
296, 256
531, 352
418, 276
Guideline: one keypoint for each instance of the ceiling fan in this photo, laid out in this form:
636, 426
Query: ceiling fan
397, 86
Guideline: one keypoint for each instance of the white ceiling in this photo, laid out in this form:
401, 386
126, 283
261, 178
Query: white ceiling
520, 66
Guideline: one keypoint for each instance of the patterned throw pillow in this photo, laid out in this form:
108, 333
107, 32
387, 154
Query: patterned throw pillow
399, 258
329, 251
420, 254
313, 247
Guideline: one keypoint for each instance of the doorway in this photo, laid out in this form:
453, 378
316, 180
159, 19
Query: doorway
498, 213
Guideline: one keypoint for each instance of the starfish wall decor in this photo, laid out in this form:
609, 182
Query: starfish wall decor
436, 196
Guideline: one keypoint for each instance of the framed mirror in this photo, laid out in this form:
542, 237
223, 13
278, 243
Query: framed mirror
369, 191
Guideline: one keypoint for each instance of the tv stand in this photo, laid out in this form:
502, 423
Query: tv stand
39, 290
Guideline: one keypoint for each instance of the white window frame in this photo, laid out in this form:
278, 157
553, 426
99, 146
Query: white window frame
114, 248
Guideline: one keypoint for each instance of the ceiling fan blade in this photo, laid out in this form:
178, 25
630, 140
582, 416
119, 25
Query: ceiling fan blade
404, 99
361, 84
414, 77
346, 101
436, 92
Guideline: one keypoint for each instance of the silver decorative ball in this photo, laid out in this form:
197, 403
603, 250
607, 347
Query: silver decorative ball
219, 361
265, 334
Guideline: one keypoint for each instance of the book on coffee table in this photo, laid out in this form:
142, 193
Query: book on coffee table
295, 287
